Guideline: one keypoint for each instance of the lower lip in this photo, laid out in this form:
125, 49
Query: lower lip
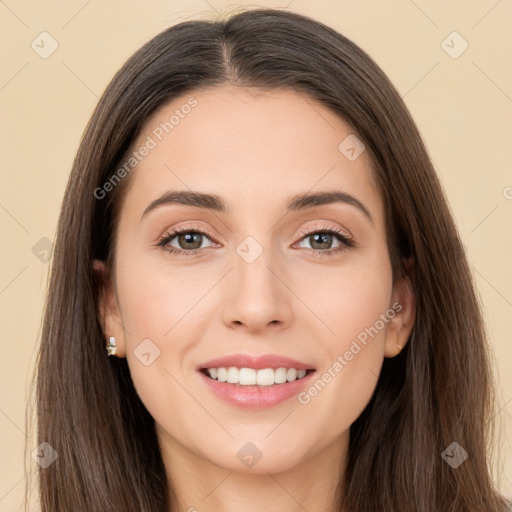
256, 397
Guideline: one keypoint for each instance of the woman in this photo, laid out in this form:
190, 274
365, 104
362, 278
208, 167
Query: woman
318, 346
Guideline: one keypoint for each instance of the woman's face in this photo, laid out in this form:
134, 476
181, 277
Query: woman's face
259, 270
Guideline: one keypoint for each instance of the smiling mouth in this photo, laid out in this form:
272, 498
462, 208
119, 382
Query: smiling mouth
265, 377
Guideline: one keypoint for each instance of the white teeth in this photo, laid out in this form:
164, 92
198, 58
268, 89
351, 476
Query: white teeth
232, 377
222, 374
251, 377
247, 376
291, 374
280, 376
265, 377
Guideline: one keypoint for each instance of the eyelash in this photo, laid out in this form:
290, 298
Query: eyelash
346, 242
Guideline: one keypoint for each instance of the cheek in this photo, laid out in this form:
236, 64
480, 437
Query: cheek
355, 304
156, 298
157, 313
349, 298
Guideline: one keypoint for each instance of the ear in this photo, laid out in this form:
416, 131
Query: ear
404, 304
108, 309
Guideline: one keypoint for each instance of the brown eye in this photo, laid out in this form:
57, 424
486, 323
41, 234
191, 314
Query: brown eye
189, 240
321, 240
185, 241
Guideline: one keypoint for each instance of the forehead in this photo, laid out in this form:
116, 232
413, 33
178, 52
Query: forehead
253, 147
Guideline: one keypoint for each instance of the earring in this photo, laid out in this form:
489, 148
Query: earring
111, 346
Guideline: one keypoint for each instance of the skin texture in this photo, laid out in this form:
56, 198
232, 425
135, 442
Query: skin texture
255, 150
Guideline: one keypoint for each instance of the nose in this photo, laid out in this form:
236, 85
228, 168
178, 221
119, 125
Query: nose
258, 294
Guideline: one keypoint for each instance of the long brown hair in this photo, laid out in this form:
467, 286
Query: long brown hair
439, 390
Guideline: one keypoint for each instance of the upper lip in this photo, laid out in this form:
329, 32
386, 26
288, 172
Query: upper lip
256, 362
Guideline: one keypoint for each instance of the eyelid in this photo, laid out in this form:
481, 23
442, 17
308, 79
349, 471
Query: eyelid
172, 232
326, 226
346, 237
186, 228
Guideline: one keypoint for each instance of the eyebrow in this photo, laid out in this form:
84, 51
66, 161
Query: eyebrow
216, 203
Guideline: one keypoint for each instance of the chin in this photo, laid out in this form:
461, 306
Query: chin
255, 457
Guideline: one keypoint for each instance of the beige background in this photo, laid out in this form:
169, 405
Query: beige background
462, 106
